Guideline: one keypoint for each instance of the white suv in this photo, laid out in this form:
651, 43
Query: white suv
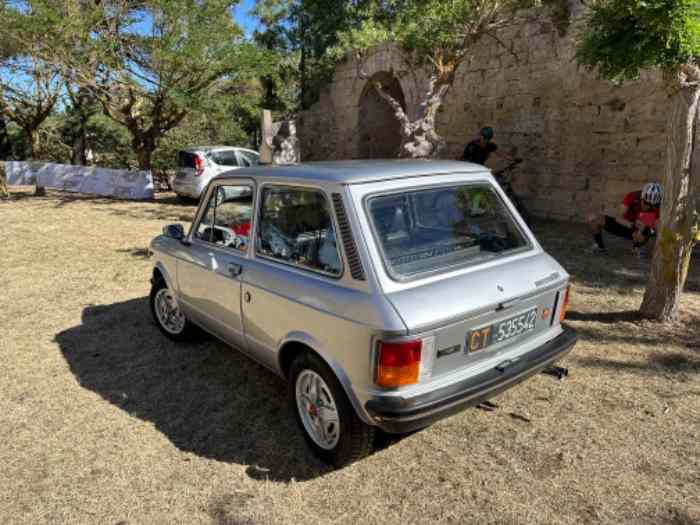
197, 166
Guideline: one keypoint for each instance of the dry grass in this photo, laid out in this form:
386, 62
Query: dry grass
105, 421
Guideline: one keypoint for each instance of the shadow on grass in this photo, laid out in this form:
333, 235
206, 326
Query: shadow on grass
604, 317
673, 363
620, 271
205, 397
138, 253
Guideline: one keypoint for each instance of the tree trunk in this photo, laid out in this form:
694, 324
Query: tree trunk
78, 154
677, 231
419, 139
144, 145
34, 147
4, 192
302, 61
5, 146
33, 136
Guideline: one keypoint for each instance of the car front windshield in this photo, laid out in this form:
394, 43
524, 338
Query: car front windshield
433, 229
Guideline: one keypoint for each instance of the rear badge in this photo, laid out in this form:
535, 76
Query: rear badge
449, 350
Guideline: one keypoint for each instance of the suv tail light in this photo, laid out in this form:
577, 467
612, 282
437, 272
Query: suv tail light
398, 363
564, 304
198, 164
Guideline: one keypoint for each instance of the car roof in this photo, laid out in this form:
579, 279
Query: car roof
357, 171
206, 149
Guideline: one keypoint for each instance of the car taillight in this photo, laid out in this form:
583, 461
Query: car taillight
398, 363
198, 164
564, 304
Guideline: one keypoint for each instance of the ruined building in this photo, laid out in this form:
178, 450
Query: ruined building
585, 141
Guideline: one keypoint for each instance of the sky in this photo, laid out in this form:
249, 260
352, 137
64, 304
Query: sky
245, 20
241, 13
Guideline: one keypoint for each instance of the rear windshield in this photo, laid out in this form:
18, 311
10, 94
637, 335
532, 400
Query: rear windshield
186, 160
428, 230
225, 158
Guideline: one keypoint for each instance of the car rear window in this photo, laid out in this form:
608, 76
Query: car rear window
185, 159
434, 229
225, 158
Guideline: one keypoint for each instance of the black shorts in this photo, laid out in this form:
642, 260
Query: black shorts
615, 228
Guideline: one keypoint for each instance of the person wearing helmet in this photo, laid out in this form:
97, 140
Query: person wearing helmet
639, 214
480, 149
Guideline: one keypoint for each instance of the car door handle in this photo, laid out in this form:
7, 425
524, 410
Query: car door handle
235, 269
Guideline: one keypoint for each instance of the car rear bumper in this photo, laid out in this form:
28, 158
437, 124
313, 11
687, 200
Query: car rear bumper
188, 187
397, 414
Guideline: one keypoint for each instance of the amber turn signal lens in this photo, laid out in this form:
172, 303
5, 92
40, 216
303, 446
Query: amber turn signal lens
398, 363
564, 305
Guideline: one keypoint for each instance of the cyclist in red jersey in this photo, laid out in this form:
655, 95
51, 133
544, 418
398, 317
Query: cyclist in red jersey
639, 215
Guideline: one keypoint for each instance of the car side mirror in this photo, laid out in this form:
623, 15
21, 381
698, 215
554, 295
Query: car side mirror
174, 231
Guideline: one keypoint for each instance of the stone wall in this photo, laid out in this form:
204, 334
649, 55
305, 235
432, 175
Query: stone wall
585, 141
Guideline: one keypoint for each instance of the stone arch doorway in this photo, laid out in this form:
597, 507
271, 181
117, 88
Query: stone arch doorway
379, 130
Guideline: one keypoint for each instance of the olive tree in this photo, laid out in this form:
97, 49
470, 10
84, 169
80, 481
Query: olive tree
434, 34
622, 38
149, 79
30, 86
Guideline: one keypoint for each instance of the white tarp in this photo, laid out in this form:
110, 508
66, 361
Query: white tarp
122, 184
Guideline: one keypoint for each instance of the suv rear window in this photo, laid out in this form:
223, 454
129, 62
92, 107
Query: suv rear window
185, 159
429, 230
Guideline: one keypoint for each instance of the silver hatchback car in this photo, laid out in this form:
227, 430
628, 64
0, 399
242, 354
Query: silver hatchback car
197, 166
389, 294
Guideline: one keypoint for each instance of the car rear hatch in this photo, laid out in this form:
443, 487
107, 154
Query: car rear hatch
484, 314
188, 165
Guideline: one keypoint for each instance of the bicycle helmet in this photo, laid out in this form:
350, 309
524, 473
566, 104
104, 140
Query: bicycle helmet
652, 193
487, 133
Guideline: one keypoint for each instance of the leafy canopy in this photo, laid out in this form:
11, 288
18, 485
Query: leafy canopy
434, 30
622, 37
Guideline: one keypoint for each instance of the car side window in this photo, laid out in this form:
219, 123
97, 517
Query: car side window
247, 159
225, 158
227, 219
296, 228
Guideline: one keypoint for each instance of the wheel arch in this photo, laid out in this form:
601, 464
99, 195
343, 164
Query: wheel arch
161, 272
298, 342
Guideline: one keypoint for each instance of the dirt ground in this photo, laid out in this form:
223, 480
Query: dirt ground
103, 420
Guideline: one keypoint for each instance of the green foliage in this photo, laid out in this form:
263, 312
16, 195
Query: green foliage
109, 143
30, 86
301, 32
430, 29
229, 116
623, 37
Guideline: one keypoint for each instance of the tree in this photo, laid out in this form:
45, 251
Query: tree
82, 107
301, 32
148, 80
621, 38
434, 34
230, 114
30, 86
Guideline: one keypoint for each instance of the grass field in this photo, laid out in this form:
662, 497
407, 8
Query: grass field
104, 421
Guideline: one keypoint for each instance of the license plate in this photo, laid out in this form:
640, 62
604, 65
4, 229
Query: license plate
502, 331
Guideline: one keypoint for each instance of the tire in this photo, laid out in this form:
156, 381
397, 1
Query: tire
349, 438
178, 329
